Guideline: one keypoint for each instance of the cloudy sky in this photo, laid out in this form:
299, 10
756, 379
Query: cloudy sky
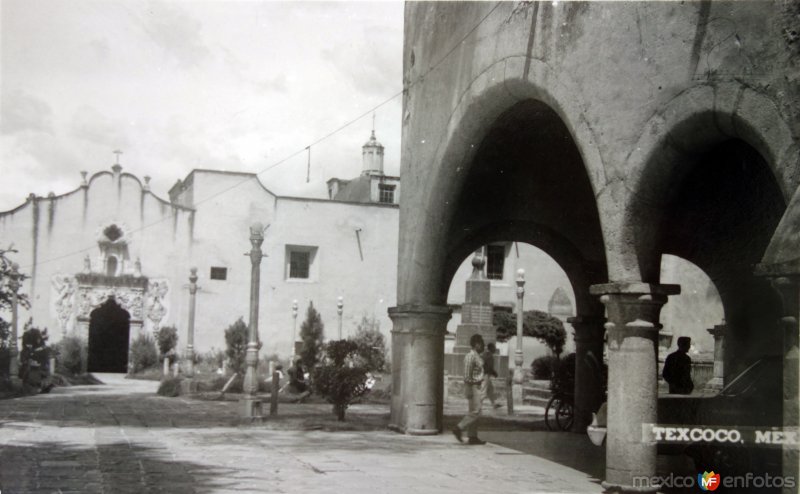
177, 85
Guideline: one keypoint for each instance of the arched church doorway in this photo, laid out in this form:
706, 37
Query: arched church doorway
109, 331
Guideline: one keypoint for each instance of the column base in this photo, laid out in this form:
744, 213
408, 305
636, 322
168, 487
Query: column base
251, 409
516, 394
715, 384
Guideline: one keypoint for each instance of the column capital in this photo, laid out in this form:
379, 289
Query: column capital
718, 330
634, 288
420, 318
587, 328
420, 310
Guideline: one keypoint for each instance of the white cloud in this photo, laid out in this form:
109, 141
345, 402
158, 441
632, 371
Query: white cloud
20, 112
177, 85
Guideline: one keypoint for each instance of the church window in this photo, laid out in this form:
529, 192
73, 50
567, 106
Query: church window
495, 261
300, 262
386, 193
218, 273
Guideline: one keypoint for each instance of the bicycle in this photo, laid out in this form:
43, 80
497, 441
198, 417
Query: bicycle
560, 410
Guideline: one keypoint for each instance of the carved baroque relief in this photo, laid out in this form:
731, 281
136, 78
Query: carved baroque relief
130, 299
64, 289
156, 301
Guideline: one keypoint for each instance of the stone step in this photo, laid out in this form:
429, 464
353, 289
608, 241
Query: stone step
535, 400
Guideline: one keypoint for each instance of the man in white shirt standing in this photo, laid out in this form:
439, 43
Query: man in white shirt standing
473, 378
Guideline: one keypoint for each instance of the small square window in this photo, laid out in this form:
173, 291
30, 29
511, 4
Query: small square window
386, 193
300, 263
219, 273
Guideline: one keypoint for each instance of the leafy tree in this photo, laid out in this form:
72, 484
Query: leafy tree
236, 345
311, 332
535, 323
34, 355
167, 338
371, 345
5, 305
340, 380
143, 353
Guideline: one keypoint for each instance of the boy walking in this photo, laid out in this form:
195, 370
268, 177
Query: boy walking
473, 378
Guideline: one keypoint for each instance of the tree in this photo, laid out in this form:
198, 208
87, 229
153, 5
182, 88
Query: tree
167, 338
371, 345
6, 297
340, 380
236, 345
311, 332
535, 323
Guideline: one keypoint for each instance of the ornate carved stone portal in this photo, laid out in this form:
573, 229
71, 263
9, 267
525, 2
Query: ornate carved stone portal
75, 297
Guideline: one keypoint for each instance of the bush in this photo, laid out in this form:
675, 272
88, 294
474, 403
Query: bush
143, 353
311, 332
34, 355
71, 354
170, 387
339, 380
236, 346
167, 338
371, 345
535, 323
543, 367
564, 373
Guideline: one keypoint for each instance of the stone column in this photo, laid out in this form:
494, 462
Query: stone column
633, 310
718, 380
294, 327
252, 406
190, 333
789, 289
418, 368
339, 308
519, 374
588, 368
14, 285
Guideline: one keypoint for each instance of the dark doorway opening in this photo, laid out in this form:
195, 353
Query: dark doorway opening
109, 330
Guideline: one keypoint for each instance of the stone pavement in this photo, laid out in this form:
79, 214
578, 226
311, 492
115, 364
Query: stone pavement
122, 438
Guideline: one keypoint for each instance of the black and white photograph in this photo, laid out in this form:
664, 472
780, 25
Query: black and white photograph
399, 247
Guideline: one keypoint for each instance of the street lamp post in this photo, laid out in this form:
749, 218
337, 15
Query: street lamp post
339, 307
14, 285
294, 325
518, 373
190, 336
252, 406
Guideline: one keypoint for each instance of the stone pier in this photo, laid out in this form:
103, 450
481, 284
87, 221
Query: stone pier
633, 312
418, 368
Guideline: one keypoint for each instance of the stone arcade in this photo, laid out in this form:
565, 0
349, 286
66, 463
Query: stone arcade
606, 134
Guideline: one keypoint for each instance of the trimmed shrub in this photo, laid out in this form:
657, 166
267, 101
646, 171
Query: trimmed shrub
167, 338
339, 380
143, 353
236, 346
170, 387
311, 332
71, 354
543, 367
371, 345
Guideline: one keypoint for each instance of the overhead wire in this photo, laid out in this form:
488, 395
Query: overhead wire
330, 134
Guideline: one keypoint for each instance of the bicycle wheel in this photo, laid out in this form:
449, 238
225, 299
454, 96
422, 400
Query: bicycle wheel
565, 415
550, 413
